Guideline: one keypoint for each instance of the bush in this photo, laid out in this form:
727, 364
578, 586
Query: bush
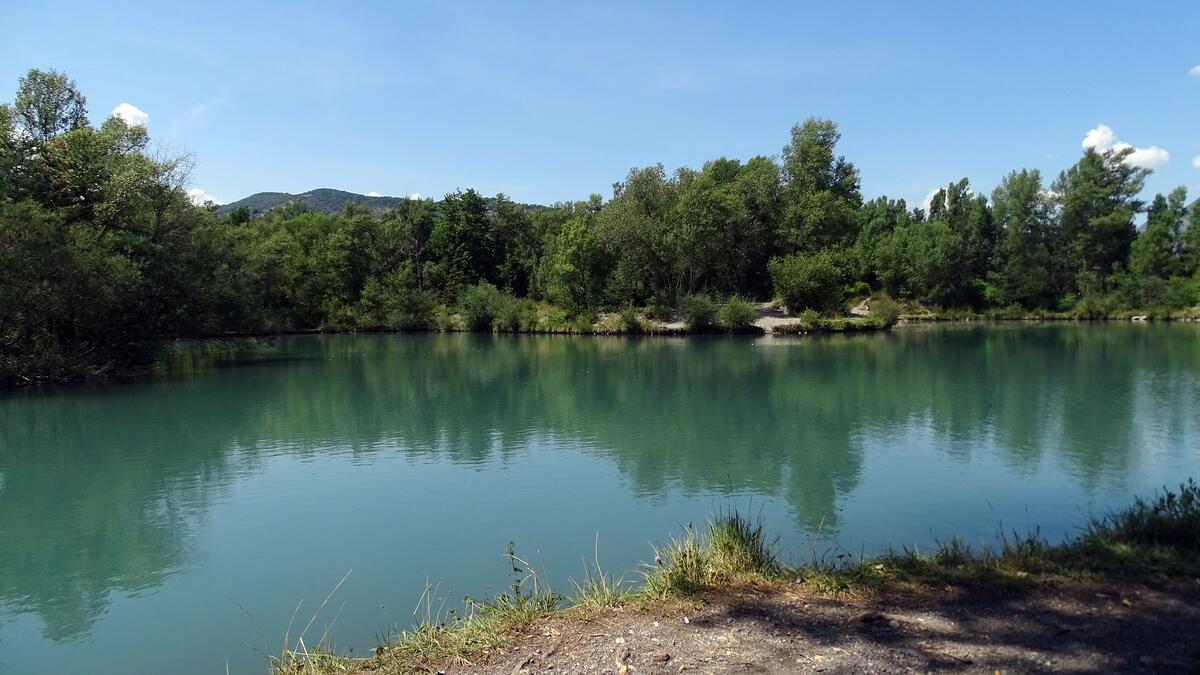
885, 310
698, 311
659, 310
413, 310
808, 281
810, 317
736, 313
629, 319
513, 315
507, 315
1094, 306
481, 304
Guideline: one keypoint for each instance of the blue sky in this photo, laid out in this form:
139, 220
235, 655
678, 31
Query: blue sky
553, 101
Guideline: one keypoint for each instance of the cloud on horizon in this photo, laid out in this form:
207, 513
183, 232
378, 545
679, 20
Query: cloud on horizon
1103, 138
199, 197
133, 115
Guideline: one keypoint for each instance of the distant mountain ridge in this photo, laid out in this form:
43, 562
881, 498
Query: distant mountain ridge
325, 200
328, 200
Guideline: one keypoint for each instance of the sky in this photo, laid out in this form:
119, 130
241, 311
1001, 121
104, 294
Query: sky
553, 101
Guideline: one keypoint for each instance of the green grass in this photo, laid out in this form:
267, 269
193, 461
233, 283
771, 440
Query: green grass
1154, 538
820, 324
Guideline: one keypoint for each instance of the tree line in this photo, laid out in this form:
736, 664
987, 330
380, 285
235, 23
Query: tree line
103, 257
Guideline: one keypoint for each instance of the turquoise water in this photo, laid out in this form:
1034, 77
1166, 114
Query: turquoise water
173, 524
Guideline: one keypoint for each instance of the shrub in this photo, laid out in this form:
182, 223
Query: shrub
413, 310
736, 313
659, 310
629, 319
810, 317
507, 314
885, 310
1094, 306
1170, 520
698, 311
808, 281
480, 304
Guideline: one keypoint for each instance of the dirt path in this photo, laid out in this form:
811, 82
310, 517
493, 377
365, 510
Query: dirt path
1052, 626
770, 316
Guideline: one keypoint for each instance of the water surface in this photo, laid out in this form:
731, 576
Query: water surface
174, 523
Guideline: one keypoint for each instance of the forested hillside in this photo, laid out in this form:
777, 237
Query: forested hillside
325, 200
102, 257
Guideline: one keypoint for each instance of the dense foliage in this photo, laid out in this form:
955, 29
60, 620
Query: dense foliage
102, 256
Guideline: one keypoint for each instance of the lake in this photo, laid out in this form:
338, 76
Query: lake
173, 524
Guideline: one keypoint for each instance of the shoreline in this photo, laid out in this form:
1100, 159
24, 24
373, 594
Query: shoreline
1119, 596
789, 327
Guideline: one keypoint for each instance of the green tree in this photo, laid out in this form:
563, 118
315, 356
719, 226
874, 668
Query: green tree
575, 265
1024, 217
820, 192
463, 243
638, 230
809, 281
1097, 201
48, 103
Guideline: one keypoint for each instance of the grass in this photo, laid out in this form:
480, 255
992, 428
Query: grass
821, 324
1154, 538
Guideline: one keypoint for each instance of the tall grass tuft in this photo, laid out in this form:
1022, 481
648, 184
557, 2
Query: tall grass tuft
1170, 520
680, 567
733, 548
738, 547
598, 590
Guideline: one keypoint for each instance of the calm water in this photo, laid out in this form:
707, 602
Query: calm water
173, 524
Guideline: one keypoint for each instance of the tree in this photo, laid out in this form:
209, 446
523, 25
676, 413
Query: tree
1189, 239
515, 249
463, 242
575, 265
1157, 250
638, 230
48, 103
808, 280
1024, 218
821, 190
1097, 201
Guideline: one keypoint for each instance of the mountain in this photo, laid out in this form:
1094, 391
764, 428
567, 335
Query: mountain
328, 200
325, 200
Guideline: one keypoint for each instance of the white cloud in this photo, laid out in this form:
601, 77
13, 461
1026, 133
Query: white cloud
415, 195
133, 116
1103, 138
199, 197
1195, 71
374, 194
1148, 158
1196, 161
929, 199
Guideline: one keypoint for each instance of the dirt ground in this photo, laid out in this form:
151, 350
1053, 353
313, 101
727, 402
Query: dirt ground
1071, 627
